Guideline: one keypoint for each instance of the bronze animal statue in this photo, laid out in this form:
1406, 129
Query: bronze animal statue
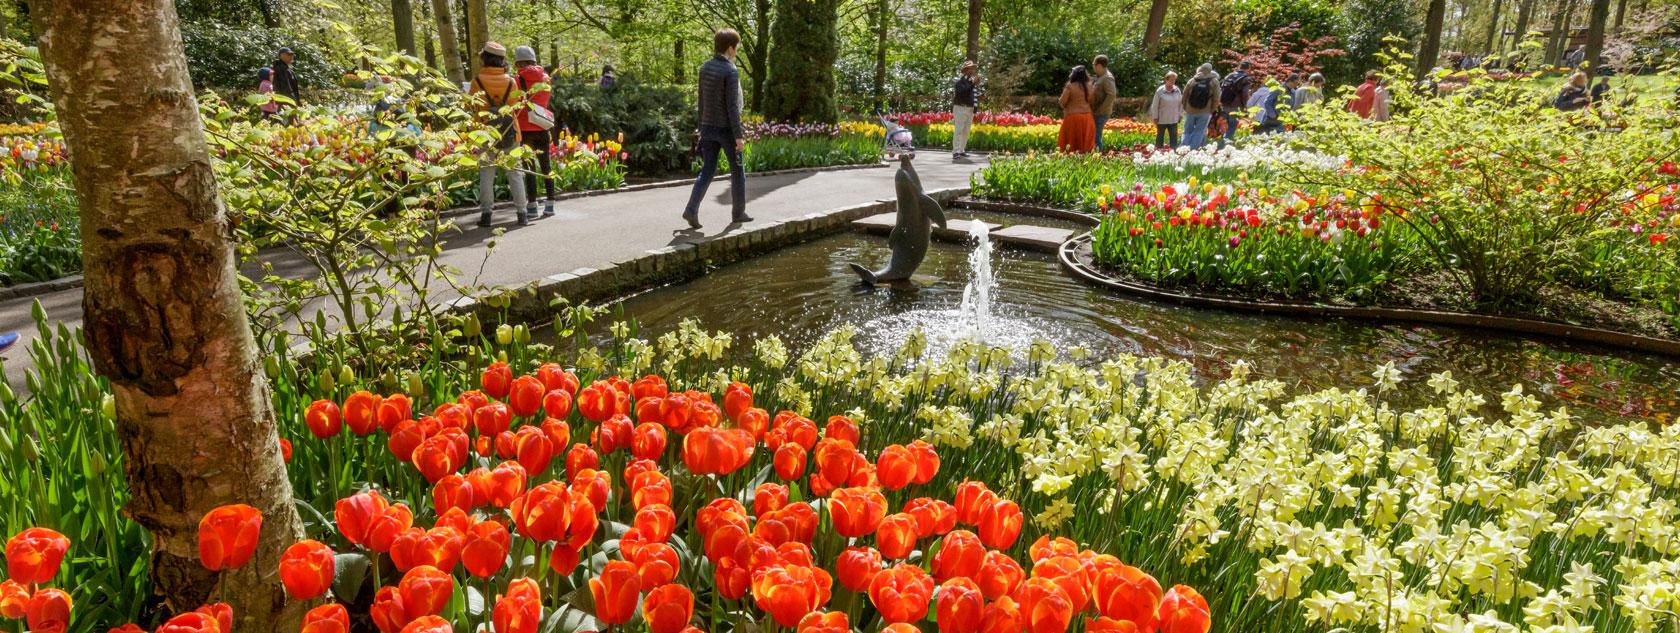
917, 212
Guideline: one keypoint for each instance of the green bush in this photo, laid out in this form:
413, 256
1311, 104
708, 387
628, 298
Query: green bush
807, 45
40, 233
1047, 55
657, 121
224, 57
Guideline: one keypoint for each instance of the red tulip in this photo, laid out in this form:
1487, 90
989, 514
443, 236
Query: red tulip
656, 564
650, 489
405, 439
453, 491
755, 421
615, 433
544, 512
437, 457
836, 459
895, 467
492, 419
557, 404
393, 410
789, 592
933, 516
1001, 616
48, 611
1045, 548
1127, 593
1069, 574
1000, 524
486, 549
901, 593
856, 567
327, 618
227, 536
306, 569
133, 628
999, 575
615, 591
581, 457
790, 462
191, 622
656, 522
960, 555
383, 531
439, 547
361, 412
896, 536
285, 451
497, 380
715, 451
534, 449
556, 378
1110, 625
648, 387
14, 599
429, 624
425, 590
580, 530
1184, 610
600, 400
959, 606
525, 397
668, 608
648, 441
1045, 608
737, 399
857, 511
769, 497
323, 419
927, 461
355, 514
972, 498
831, 622
520, 609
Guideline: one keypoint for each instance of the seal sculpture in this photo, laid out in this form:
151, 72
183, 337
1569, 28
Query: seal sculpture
917, 212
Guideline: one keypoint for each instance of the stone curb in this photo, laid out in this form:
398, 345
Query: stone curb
1076, 256
574, 195
1004, 206
40, 288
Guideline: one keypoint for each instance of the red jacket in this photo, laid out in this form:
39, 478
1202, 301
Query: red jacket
1363, 99
530, 76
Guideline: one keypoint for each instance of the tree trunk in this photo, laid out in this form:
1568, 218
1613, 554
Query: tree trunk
270, 14
1621, 12
1525, 11
165, 320
478, 29
758, 57
681, 65
882, 9
446, 40
426, 29
1157, 21
1493, 28
802, 63
402, 17
1597, 15
1559, 42
971, 46
1430, 51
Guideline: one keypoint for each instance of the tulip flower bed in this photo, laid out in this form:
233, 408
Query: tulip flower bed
1076, 181
40, 238
776, 146
967, 493
587, 164
1020, 133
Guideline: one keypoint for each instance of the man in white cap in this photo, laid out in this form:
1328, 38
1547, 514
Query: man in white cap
498, 98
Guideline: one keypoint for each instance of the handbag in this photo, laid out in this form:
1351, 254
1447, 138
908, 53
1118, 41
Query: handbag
536, 114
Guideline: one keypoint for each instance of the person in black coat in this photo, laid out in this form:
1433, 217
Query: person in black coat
285, 83
720, 128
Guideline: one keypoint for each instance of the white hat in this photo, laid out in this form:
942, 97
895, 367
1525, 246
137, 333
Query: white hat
524, 54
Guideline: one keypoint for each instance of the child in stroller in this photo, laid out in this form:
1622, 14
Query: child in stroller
898, 138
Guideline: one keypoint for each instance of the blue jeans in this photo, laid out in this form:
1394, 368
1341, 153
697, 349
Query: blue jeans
1195, 129
712, 141
1231, 126
1101, 119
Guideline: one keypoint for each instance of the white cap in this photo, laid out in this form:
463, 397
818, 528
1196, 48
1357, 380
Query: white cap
524, 54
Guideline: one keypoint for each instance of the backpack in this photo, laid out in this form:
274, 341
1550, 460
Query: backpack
502, 123
1201, 92
1231, 91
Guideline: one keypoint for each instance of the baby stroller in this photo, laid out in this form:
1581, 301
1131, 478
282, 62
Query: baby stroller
897, 138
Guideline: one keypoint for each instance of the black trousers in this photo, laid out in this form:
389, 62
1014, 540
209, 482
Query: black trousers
540, 142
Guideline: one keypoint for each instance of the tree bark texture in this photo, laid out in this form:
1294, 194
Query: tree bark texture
1430, 51
883, 9
1598, 15
680, 74
165, 319
1493, 28
402, 17
1525, 11
446, 40
758, 54
478, 29
1621, 12
971, 46
1157, 22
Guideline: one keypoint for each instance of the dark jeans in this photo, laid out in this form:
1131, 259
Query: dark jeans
538, 141
1164, 132
712, 141
1101, 120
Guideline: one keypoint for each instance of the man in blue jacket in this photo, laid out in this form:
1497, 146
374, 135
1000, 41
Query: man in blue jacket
720, 128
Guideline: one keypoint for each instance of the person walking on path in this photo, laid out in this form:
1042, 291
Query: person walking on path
1166, 109
1309, 93
1201, 100
1234, 92
720, 128
533, 81
1078, 133
497, 93
965, 97
1103, 93
1364, 97
285, 83
265, 88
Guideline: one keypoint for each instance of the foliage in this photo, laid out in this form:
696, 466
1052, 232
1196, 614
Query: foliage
1038, 137
806, 46
1048, 54
1287, 51
227, 57
1369, 26
40, 231
587, 164
656, 122
772, 147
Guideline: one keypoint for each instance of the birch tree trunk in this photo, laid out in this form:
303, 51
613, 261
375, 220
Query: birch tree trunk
165, 320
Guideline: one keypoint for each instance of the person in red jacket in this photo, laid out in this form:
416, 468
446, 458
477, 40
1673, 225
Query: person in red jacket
1365, 97
533, 81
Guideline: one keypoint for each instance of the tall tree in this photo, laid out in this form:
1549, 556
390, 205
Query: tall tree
1493, 28
446, 40
478, 29
1621, 12
1430, 51
1563, 15
1598, 14
758, 53
426, 29
807, 45
883, 9
165, 319
1157, 22
971, 46
402, 19
1525, 12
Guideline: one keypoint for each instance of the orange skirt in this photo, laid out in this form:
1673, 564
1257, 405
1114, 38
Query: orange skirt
1078, 134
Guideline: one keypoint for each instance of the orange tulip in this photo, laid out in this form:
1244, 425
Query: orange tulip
132, 628
520, 609
439, 547
900, 627
361, 412
383, 531
496, 380
791, 427
1069, 574
648, 441
584, 521
789, 461
525, 396
533, 448
600, 400
959, 606
972, 498
831, 622
857, 511
932, 516
856, 567
323, 419
1126, 593
191, 622
564, 559
437, 456
424, 591
714, 451
48, 611
789, 592
615, 591
1184, 610
656, 564
544, 512
405, 439
769, 497
836, 459
732, 579
556, 378
667, 608
14, 599
580, 457
557, 404
221, 611
474, 400
507, 482
656, 521
393, 410
493, 419
593, 485
999, 575
1110, 625
429, 624
901, 593
486, 549
453, 491
895, 467
1000, 524
960, 555
717, 513
1045, 607
842, 428
452, 414
896, 536
1046, 547
327, 618
755, 421
723, 540
650, 488
227, 536
306, 569
927, 461
1001, 616
614, 433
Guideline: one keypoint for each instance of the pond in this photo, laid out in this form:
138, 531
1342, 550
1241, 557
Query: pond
804, 291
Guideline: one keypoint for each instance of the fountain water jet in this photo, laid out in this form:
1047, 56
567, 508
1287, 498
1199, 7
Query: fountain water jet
977, 295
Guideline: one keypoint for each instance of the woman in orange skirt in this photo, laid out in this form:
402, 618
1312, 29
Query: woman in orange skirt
1079, 130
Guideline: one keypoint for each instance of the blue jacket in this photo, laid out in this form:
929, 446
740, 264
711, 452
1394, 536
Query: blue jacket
720, 95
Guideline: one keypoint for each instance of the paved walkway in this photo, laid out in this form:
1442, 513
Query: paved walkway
587, 232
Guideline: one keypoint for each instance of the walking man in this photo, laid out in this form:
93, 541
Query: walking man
1201, 100
964, 99
285, 83
1234, 92
1103, 93
720, 128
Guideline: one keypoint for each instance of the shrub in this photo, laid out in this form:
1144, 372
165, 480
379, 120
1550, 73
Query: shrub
806, 47
1047, 55
227, 58
657, 121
